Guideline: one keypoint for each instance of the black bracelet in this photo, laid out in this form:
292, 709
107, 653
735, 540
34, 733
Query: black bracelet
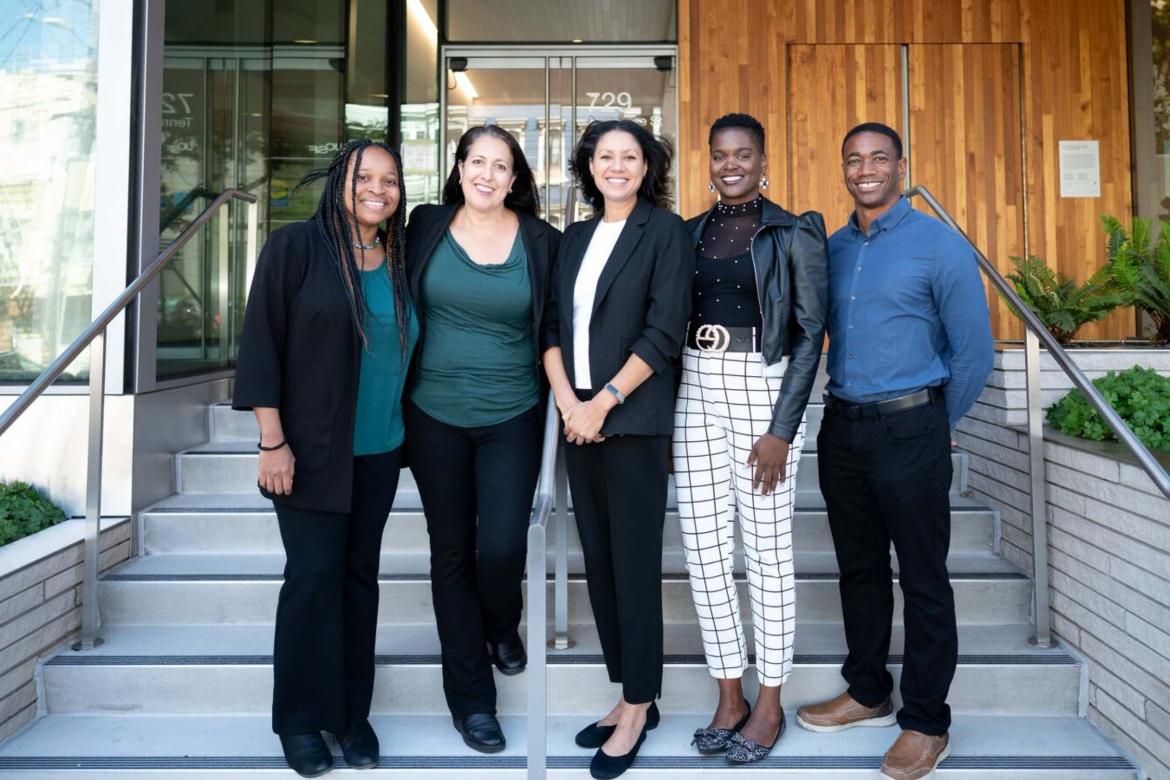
260, 446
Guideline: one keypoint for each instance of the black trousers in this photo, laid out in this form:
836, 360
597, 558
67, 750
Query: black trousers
619, 497
327, 614
887, 479
476, 486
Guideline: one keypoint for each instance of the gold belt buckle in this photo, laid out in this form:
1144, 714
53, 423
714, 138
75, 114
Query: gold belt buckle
712, 338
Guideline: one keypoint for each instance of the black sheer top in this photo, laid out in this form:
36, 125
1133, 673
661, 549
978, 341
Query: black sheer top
725, 280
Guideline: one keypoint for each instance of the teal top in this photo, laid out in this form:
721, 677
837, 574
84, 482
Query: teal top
478, 361
377, 426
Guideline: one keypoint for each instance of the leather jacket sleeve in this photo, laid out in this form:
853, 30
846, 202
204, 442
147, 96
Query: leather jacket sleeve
809, 283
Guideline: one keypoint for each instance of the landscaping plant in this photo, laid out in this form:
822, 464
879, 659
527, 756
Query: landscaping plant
1140, 395
1139, 263
24, 511
1060, 303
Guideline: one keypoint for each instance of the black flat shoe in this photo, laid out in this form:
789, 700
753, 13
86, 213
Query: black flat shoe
306, 754
594, 736
481, 732
745, 751
606, 767
509, 656
712, 742
360, 746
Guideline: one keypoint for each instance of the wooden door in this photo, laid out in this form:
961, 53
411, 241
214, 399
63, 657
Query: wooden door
831, 88
966, 148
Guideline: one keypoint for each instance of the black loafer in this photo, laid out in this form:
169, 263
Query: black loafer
481, 732
606, 767
306, 754
509, 656
360, 746
594, 736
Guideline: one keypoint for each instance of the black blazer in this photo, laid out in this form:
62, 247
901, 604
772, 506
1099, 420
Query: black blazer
300, 353
427, 225
641, 306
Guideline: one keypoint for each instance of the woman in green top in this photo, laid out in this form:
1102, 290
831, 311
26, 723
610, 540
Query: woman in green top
478, 268
327, 338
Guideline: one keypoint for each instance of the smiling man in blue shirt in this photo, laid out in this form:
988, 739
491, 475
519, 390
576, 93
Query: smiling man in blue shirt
910, 349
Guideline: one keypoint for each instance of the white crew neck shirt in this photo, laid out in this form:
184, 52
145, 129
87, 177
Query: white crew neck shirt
585, 291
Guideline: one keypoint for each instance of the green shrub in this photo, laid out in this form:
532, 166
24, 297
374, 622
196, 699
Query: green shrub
24, 511
1140, 395
1060, 303
1139, 263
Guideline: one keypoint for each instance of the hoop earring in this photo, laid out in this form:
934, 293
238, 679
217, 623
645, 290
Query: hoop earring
710, 186
764, 183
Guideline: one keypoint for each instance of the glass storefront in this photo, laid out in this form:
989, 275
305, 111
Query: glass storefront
256, 94
48, 97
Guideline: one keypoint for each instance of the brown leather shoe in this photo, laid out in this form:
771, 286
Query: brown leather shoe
844, 712
915, 755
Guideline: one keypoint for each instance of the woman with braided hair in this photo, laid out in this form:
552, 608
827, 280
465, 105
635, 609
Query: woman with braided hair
328, 336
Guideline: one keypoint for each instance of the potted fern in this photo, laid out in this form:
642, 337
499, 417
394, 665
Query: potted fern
1061, 304
1139, 268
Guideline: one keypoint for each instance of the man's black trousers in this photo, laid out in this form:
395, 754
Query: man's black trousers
327, 613
477, 486
887, 479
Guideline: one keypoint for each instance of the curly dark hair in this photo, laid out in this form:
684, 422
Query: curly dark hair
656, 151
740, 122
524, 197
338, 227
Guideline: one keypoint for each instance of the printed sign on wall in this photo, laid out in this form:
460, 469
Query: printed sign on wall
1080, 169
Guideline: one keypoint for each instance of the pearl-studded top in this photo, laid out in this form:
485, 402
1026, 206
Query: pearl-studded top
725, 281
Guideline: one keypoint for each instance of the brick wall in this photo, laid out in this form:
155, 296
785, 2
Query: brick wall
40, 607
1109, 555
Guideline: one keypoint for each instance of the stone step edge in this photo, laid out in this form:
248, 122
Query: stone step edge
776, 762
555, 658
574, 577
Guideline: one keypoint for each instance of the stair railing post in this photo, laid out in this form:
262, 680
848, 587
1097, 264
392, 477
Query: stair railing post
1043, 637
561, 639
93, 495
537, 677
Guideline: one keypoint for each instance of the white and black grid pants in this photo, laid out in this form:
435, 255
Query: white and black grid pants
724, 405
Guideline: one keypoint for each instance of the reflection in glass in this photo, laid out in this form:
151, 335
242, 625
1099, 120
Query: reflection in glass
562, 21
48, 91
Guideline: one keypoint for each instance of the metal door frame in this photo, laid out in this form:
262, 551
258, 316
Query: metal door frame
547, 53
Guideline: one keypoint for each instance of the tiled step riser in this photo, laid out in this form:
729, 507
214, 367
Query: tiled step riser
210, 472
258, 533
228, 425
399, 689
977, 601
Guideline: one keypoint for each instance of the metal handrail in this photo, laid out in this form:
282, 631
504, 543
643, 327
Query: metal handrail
536, 596
1034, 334
94, 337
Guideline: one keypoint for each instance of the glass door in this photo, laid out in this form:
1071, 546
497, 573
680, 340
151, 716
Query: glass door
546, 97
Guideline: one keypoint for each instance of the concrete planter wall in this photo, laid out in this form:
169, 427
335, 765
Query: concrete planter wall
1109, 543
40, 606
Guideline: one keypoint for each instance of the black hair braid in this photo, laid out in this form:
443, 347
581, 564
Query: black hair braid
338, 227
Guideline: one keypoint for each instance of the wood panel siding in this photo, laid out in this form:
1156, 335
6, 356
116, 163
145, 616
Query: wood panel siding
966, 146
1071, 57
871, 77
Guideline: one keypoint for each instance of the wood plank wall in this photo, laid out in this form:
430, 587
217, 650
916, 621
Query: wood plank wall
735, 55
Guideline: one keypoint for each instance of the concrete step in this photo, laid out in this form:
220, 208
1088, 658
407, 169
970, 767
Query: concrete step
243, 589
230, 467
237, 523
224, 424
202, 669
212, 747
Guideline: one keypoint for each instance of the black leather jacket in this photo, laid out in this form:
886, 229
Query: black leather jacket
791, 262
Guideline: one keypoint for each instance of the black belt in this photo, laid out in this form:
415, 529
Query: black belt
720, 338
853, 411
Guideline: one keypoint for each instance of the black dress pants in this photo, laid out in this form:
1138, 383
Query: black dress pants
327, 614
477, 486
619, 497
888, 479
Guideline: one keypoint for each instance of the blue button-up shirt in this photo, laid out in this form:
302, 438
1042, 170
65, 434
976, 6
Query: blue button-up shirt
907, 310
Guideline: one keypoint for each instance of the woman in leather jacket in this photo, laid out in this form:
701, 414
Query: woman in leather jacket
752, 349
